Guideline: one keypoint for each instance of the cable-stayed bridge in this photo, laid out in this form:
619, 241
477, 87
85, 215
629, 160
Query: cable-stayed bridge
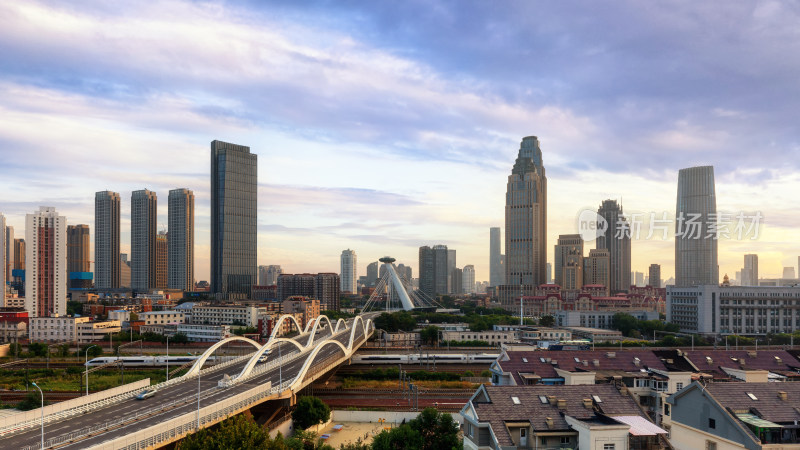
394, 292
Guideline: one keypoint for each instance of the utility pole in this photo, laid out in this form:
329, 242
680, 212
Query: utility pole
520, 303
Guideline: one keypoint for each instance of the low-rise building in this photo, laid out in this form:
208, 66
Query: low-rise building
227, 315
96, 330
162, 317
557, 417
734, 415
13, 324
596, 334
490, 336
55, 329
401, 339
303, 307
204, 333
598, 319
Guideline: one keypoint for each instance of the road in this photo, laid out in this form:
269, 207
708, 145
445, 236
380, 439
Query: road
137, 410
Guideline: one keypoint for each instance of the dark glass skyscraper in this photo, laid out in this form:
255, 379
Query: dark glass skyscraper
695, 250
106, 240
617, 240
234, 198
144, 213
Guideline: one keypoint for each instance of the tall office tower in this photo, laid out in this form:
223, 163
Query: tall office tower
262, 276
695, 250
617, 240
425, 270
7, 250
639, 279
349, 271
46, 259
372, 273
468, 275
273, 272
18, 279
78, 259
4, 272
234, 198
144, 206
441, 272
180, 243
655, 275
457, 280
106, 240
788, 273
750, 270
596, 268
496, 272
404, 271
162, 263
526, 218
451, 265
549, 273
569, 261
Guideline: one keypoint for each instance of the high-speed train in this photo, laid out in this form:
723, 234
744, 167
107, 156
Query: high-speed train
416, 358
144, 361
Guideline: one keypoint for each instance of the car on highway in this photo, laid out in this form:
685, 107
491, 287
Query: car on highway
264, 356
146, 394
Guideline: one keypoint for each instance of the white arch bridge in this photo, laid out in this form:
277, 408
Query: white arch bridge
202, 397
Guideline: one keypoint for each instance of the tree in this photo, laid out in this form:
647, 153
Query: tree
429, 334
63, 350
400, 438
94, 350
14, 349
134, 317
237, 432
438, 430
625, 323
37, 349
31, 401
310, 411
547, 321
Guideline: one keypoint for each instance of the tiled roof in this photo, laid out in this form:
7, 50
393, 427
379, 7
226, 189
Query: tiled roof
578, 361
767, 403
712, 361
501, 408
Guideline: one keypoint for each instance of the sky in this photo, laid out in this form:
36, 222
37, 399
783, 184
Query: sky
384, 126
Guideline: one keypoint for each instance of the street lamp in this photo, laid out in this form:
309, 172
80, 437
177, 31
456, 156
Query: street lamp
40, 391
86, 366
167, 357
198, 400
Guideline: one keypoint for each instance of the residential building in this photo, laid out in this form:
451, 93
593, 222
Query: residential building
95, 331
5, 252
304, 309
204, 333
46, 259
124, 271
162, 265
741, 310
13, 324
596, 269
617, 240
372, 273
695, 228
349, 271
441, 270
234, 315
55, 329
493, 337
180, 255
78, 258
163, 317
569, 261
426, 272
557, 417
18, 273
234, 198
106, 240
144, 207
735, 415
598, 319
526, 222
451, 265
655, 275
457, 281
405, 272
639, 279
497, 273
327, 290
468, 279
324, 287
271, 275
750, 270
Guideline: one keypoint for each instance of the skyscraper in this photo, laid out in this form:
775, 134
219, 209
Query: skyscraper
655, 275
788, 273
144, 206
617, 240
404, 271
441, 269
180, 243
497, 273
234, 199
4, 272
19, 264
8, 251
78, 259
162, 264
695, 250
750, 271
639, 280
426, 274
452, 286
596, 268
569, 261
349, 271
526, 219
46, 259
468, 275
372, 273
106, 240
457, 281
273, 272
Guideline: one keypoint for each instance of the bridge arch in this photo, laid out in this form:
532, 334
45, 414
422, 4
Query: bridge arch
340, 322
316, 326
251, 363
364, 327
279, 323
210, 351
312, 356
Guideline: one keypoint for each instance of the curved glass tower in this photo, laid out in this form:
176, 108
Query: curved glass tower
695, 250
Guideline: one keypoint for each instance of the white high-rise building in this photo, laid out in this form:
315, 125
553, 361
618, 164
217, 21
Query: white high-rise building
8, 251
45, 263
349, 272
468, 279
750, 270
180, 245
4, 264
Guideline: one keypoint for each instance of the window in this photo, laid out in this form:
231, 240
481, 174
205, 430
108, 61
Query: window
711, 445
543, 399
752, 396
565, 439
678, 386
609, 446
666, 409
516, 400
712, 423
